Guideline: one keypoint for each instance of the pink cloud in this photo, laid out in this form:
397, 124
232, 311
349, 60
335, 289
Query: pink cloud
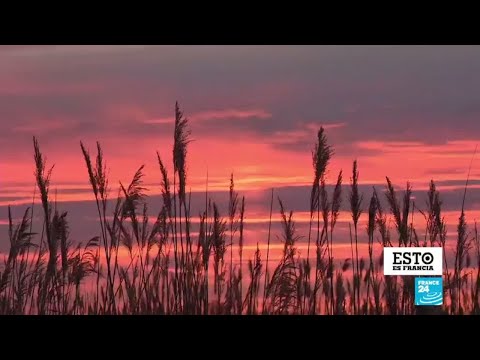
306, 134
313, 126
16, 86
41, 126
217, 115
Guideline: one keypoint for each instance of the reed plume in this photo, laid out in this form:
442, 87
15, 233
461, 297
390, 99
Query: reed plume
321, 155
336, 204
356, 200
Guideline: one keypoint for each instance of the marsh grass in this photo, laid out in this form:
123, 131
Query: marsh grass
167, 270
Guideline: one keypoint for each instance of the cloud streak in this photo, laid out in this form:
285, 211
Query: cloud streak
214, 115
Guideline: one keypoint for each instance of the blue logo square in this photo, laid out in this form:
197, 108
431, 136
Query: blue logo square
429, 291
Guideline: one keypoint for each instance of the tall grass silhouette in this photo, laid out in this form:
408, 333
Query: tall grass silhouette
171, 269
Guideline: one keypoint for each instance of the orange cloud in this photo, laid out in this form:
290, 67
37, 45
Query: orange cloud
414, 161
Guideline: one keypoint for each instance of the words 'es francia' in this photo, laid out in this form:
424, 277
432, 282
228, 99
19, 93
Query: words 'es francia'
413, 260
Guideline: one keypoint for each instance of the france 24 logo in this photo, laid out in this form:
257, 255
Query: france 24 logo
429, 291
412, 261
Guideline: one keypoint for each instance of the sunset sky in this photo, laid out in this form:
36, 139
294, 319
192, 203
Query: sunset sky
408, 112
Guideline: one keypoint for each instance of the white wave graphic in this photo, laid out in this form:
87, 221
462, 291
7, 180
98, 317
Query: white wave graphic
432, 299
